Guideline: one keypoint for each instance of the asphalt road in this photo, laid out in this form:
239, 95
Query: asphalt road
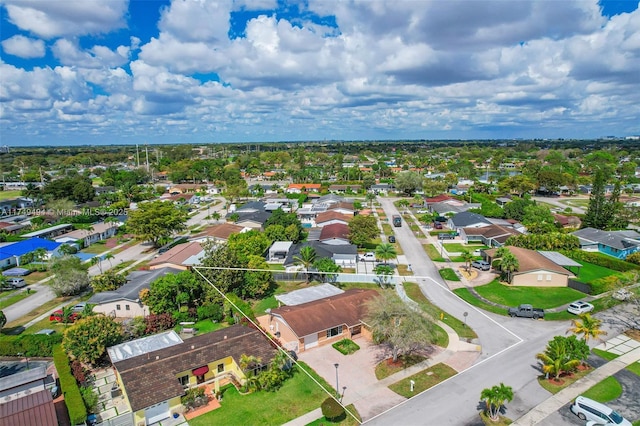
137, 252
508, 353
555, 201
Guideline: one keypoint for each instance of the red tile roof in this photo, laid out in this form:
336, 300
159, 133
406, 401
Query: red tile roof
348, 308
335, 230
332, 215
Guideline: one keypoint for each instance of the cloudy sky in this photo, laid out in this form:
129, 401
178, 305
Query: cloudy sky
117, 71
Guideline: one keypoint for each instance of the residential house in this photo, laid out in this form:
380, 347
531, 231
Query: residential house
491, 235
125, 302
319, 322
343, 207
573, 222
50, 232
220, 232
253, 220
534, 269
181, 256
251, 207
13, 205
330, 217
381, 188
11, 253
85, 237
184, 188
334, 234
299, 188
25, 398
155, 371
278, 251
619, 244
12, 228
503, 201
345, 255
467, 220
341, 189
451, 207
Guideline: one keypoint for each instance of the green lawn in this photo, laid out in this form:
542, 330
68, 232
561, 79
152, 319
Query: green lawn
296, 397
449, 274
457, 247
36, 276
15, 298
634, 368
590, 272
465, 295
386, 369
261, 306
539, 297
433, 253
347, 421
414, 292
346, 346
276, 267
423, 380
5, 195
97, 248
605, 391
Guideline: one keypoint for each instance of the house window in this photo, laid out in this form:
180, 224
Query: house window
117, 307
184, 380
334, 331
548, 277
127, 308
220, 368
539, 277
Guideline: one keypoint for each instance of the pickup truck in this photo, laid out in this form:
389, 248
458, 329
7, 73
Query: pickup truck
526, 311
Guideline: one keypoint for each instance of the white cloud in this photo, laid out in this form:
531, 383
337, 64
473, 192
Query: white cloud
23, 47
50, 19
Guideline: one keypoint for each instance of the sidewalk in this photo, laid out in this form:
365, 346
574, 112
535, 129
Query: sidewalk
538, 414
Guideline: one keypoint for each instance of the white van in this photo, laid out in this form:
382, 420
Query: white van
16, 282
588, 409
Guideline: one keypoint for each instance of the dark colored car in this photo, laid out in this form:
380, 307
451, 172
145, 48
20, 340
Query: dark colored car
437, 225
392, 239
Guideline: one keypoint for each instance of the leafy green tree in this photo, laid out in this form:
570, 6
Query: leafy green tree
578, 348
259, 282
156, 220
173, 292
275, 233
108, 281
329, 266
553, 241
78, 188
467, 257
516, 208
383, 274
251, 243
363, 229
494, 399
226, 270
397, 326
279, 217
70, 277
508, 264
557, 358
538, 219
306, 258
597, 215
88, 339
408, 182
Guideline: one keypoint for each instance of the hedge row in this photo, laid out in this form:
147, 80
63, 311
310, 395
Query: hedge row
72, 396
602, 260
31, 345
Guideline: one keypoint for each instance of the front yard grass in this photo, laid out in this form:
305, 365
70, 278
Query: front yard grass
347, 421
385, 368
449, 274
457, 247
465, 294
539, 297
433, 253
260, 307
96, 248
15, 298
346, 346
605, 391
297, 396
634, 368
36, 276
565, 381
423, 380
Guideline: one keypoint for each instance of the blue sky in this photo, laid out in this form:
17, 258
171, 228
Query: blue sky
115, 71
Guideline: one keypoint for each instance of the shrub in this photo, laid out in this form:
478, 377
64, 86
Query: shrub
78, 371
212, 310
89, 398
72, 396
194, 397
155, 323
601, 260
332, 409
346, 346
31, 345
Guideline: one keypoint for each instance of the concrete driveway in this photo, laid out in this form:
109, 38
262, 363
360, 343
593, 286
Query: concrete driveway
357, 373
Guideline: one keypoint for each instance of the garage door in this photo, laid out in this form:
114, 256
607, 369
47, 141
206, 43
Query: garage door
157, 412
310, 341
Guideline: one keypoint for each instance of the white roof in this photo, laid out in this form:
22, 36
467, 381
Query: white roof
309, 294
281, 246
143, 346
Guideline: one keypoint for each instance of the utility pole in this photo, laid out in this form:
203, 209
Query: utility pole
137, 156
146, 150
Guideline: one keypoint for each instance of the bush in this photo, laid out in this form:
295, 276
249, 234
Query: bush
601, 260
89, 398
194, 397
212, 310
332, 409
346, 346
72, 396
155, 323
31, 345
79, 372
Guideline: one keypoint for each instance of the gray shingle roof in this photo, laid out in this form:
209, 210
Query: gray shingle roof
467, 219
620, 240
137, 281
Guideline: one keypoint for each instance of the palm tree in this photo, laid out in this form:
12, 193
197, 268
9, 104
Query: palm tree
108, 257
508, 264
495, 398
306, 257
467, 257
403, 203
588, 327
67, 314
39, 255
556, 359
96, 260
386, 251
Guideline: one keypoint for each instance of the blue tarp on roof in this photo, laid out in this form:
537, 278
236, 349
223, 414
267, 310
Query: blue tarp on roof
27, 246
16, 272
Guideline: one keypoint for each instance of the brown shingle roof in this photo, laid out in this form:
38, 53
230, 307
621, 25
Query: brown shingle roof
33, 409
178, 254
335, 230
152, 378
332, 215
342, 205
491, 231
531, 260
347, 308
222, 231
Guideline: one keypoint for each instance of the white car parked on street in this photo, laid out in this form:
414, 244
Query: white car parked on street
580, 307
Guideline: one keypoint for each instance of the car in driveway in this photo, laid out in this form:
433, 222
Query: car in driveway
588, 409
57, 316
392, 239
481, 264
367, 257
579, 307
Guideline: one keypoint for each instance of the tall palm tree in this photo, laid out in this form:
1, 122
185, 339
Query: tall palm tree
386, 251
306, 257
495, 398
467, 257
556, 359
588, 327
508, 264
96, 260
108, 257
